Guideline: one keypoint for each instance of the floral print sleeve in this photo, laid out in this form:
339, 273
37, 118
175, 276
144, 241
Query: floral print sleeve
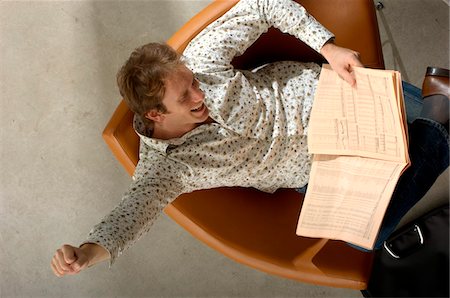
154, 187
213, 49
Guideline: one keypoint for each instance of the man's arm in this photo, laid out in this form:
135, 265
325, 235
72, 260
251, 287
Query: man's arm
155, 186
214, 48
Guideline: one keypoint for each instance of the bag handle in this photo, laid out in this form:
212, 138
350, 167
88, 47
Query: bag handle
402, 244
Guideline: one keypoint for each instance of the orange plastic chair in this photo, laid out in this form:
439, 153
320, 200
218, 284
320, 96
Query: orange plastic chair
249, 226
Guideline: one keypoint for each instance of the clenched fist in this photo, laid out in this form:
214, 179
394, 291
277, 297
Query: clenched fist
70, 260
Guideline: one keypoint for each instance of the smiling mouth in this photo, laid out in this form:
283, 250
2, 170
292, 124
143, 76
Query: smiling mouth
198, 109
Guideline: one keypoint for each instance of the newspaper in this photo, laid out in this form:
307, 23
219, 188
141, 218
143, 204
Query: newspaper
358, 138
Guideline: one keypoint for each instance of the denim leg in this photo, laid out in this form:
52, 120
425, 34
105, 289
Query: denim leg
303, 189
429, 154
413, 101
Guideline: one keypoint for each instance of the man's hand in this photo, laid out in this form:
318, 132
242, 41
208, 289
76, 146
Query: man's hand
70, 260
342, 61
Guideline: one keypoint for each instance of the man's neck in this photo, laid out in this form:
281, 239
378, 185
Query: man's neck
164, 133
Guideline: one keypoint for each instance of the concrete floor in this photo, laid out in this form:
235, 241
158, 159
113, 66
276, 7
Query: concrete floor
58, 61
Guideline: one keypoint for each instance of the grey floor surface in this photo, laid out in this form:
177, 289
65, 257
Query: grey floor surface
58, 61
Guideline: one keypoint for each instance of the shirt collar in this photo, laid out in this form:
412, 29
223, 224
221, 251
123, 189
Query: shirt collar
160, 145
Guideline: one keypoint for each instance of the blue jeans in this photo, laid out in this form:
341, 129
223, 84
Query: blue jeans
429, 154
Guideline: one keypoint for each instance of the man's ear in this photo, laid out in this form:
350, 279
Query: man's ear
154, 115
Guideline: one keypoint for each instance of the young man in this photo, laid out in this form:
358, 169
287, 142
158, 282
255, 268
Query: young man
204, 124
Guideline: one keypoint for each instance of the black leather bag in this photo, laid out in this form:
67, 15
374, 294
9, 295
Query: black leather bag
414, 261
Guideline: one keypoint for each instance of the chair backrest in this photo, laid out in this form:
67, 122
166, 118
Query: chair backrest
251, 227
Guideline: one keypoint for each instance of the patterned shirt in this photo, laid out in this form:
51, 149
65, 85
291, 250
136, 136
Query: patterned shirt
261, 117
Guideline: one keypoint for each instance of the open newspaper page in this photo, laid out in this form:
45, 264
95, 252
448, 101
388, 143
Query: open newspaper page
366, 120
359, 141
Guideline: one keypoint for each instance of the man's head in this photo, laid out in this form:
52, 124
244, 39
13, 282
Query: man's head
157, 85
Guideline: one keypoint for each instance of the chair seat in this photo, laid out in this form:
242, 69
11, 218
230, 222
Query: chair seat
258, 229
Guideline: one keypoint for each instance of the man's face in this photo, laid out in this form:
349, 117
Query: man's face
184, 102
